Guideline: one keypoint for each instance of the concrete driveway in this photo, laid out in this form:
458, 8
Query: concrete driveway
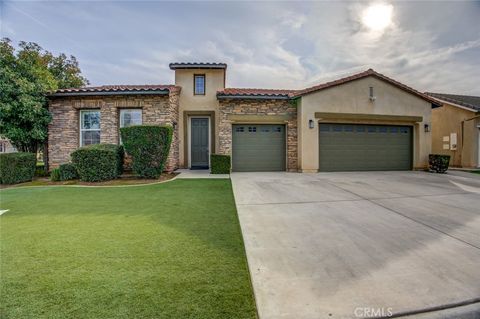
347, 245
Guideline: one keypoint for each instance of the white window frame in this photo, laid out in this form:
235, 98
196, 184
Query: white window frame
81, 130
122, 111
120, 120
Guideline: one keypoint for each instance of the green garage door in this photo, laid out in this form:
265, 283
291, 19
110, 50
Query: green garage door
258, 148
348, 147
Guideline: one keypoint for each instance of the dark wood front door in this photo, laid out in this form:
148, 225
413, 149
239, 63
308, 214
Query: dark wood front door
199, 143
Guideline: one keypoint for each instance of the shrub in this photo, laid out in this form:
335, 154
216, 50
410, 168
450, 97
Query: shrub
67, 172
149, 146
17, 167
64, 172
119, 153
438, 163
40, 170
220, 164
99, 162
55, 175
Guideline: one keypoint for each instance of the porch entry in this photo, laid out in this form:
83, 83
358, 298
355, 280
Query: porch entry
199, 142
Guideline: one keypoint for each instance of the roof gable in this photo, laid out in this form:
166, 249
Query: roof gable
292, 94
362, 75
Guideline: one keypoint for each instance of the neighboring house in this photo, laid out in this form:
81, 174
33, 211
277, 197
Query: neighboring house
456, 128
366, 121
6, 146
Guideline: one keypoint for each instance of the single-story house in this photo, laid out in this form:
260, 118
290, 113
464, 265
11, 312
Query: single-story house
366, 121
456, 129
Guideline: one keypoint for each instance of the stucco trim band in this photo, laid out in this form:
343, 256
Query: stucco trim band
375, 117
263, 118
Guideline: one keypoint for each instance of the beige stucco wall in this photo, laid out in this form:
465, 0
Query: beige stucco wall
448, 119
353, 97
214, 81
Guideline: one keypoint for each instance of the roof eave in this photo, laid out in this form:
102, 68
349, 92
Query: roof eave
442, 101
175, 66
97, 93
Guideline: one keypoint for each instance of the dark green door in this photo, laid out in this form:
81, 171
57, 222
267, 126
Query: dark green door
348, 147
258, 148
199, 143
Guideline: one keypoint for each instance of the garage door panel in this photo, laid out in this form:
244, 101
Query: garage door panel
258, 147
347, 147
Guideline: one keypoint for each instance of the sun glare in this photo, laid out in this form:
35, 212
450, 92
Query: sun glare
377, 16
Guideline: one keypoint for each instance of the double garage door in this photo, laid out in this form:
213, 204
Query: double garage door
342, 147
347, 147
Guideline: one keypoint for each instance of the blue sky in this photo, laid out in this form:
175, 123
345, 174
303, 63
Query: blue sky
431, 46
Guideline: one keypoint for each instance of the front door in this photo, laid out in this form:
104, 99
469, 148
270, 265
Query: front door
199, 143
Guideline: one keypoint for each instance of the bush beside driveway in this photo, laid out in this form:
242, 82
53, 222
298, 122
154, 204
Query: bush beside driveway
171, 250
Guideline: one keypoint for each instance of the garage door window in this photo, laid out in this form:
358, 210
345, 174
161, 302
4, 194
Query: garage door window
240, 129
252, 129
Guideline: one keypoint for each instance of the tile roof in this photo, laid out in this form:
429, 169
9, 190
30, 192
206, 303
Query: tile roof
369, 72
197, 65
469, 101
118, 89
241, 92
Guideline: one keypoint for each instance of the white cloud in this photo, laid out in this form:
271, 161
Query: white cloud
271, 45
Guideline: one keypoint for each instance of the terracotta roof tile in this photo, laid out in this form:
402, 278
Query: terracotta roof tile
197, 65
118, 89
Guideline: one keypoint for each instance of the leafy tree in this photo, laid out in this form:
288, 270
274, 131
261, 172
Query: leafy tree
26, 76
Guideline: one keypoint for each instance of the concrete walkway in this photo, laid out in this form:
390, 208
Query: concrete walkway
198, 173
350, 245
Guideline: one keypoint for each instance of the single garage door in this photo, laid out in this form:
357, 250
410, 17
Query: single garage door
258, 148
347, 147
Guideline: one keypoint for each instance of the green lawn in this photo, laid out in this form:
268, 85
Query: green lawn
170, 250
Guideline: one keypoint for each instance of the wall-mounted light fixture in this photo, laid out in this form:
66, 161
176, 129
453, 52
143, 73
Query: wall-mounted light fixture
371, 96
311, 124
174, 124
427, 128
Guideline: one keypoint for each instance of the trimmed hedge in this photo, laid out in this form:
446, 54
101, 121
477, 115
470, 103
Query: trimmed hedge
119, 153
438, 163
64, 172
149, 147
220, 164
98, 162
17, 167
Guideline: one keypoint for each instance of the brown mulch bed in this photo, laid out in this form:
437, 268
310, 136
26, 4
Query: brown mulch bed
125, 179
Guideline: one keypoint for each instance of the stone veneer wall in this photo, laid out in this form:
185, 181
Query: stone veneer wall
258, 107
63, 130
